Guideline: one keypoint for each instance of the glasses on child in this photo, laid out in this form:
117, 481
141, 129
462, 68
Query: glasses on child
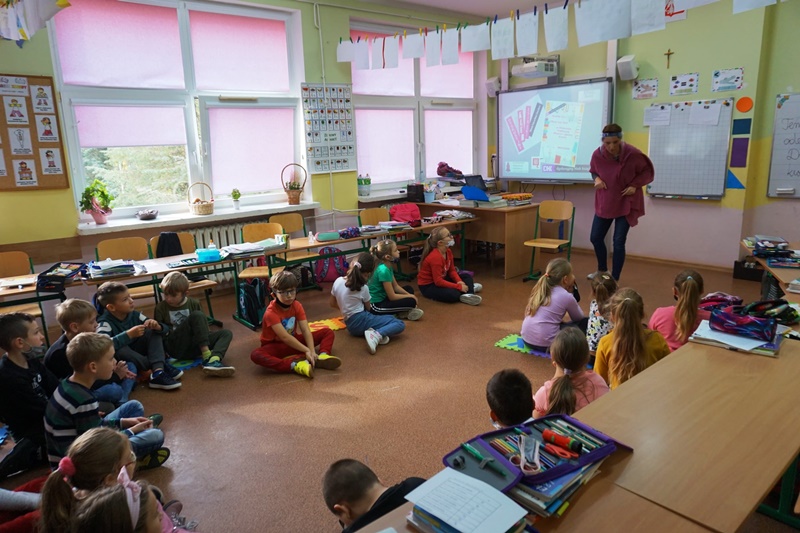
287, 292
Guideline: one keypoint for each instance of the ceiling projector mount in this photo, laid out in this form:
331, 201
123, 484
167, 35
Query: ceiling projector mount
537, 67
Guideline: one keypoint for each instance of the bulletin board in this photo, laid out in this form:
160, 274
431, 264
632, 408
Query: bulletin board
330, 127
784, 168
31, 144
690, 151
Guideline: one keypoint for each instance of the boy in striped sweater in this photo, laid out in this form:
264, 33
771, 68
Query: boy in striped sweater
73, 409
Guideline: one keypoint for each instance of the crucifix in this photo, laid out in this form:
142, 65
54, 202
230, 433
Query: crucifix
668, 53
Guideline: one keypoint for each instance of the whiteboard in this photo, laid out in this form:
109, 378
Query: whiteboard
784, 170
691, 160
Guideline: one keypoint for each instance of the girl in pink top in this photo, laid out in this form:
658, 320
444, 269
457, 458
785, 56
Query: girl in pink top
573, 386
677, 322
619, 171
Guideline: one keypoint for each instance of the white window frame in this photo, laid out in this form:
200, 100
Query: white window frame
419, 104
198, 158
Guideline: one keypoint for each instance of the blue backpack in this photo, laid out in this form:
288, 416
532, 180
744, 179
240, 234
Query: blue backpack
330, 268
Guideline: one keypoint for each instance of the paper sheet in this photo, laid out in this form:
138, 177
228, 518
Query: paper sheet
377, 53
433, 49
465, 503
704, 331
344, 52
413, 46
391, 52
728, 79
658, 115
599, 20
361, 55
704, 114
475, 38
689, 4
647, 16
556, 29
528, 34
740, 6
450, 47
503, 39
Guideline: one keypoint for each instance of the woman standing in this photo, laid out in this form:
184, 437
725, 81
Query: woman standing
619, 171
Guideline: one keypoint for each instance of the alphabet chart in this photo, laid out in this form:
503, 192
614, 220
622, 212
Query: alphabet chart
330, 127
31, 147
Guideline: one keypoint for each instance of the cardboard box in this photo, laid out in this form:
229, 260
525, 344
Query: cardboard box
747, 269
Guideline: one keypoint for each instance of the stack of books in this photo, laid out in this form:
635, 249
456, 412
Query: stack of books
245, 248
705, 335
115, 267
552, 497
393, 225
794, 286
370, 230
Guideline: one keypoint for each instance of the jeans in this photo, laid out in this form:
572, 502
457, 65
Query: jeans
116, 393
600, 227
144, 442
146, 352
386, 325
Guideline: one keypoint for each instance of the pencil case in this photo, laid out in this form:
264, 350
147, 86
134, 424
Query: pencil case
57, 276
207, 255
601, 446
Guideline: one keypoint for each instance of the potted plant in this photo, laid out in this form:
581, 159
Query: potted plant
293, 186
96, 201
235, 194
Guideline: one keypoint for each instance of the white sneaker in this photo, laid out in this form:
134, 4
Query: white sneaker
415, 314
470, 299
373, 339
384, 340
592, 275
477, 287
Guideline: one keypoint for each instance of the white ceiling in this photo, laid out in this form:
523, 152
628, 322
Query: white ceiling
476, 8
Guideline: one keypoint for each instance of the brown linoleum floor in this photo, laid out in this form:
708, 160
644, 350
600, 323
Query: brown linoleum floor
248, 453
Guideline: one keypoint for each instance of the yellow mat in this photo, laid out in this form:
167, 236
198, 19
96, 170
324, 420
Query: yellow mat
332, 323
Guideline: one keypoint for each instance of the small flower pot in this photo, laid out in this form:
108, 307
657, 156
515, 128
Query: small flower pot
236, 205
99, 218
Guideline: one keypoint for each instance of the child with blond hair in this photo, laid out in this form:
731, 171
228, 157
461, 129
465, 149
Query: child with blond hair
677, 322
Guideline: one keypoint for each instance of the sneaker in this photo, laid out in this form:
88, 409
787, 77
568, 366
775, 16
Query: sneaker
415, 314
373, 339
153, 459
172, 507
214, 367
384, 340
157, 418
470, 299
304, 368
477, 287
174, 373
593, 274
328, 362
161, 380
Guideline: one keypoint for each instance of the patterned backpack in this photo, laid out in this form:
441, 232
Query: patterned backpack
330, 268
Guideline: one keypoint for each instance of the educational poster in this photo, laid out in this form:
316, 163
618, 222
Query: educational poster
50, 159
13, 85
42, 99
562, 132
46, 128
645, 89
20, 141
729, 79
25, 173
16, 110
330, 127
3, 171
684, 84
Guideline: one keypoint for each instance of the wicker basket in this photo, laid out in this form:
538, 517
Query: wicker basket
200, 209
293, 194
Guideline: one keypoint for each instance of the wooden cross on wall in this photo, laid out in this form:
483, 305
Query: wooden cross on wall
668, 53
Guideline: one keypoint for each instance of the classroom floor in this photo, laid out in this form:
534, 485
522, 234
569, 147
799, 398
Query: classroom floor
248, 453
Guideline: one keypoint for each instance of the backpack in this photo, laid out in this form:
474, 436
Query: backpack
252, 304
405, 212
330, 268
305, 276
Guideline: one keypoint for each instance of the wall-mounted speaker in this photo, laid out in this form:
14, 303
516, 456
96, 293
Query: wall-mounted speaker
628, 68
493, 86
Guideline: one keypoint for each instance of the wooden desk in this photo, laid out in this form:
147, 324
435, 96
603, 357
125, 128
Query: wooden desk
509, 226
784, 276
712, 430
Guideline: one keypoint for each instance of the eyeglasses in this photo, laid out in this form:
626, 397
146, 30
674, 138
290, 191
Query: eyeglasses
287, 292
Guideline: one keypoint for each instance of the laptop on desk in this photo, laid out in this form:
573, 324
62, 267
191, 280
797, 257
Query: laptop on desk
475, 181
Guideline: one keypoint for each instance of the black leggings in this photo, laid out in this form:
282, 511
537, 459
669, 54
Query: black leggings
391, 307
445, 294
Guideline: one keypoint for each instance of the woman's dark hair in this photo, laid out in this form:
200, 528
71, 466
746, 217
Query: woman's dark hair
612, 128
362, 265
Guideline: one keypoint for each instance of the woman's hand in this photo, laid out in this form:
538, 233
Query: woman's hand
599, 184
627, 191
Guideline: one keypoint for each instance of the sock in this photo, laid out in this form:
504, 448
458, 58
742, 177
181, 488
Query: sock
212, 359
206, 354
294, 364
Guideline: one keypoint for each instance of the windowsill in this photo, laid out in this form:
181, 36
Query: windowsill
385, 194
188, 219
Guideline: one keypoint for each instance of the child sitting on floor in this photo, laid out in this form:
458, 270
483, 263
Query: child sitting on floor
188, 335
630, 347
356, 496
550, 300
676, 323
510, 398
136, 338
573, 386
386, 296
437, 278
599, 324
351, 294
287, 343
79, 316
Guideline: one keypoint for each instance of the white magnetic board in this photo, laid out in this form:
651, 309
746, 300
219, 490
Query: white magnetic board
784, 169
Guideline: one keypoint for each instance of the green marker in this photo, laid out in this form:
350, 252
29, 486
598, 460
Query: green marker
483, 460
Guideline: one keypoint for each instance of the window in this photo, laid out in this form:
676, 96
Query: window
181, 93
410, 118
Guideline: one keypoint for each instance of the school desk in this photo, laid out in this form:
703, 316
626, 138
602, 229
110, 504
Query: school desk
509, 226
784, 276
712, 430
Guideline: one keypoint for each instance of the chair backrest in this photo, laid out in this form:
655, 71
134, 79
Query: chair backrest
260, 230
373, 216
556, 210
188, 244
291, 222
122, 248
15, 264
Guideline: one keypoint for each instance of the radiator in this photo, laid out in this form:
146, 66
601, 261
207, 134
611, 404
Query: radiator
222, 235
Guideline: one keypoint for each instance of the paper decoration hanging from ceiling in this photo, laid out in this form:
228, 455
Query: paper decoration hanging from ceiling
361, 55
599, 21
391, 52
377, 53
556, 29
647, 16
450, 47
503, 39
433, 49
528, 34
413, 46
475, 38
740, 6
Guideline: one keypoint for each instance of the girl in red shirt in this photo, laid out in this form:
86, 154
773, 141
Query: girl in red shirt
438, 279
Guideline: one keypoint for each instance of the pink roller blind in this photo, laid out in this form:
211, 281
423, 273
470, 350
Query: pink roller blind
105, 126
119, 44
449, 81
249, 147
448, 137
239, 53
386, 82
385, 143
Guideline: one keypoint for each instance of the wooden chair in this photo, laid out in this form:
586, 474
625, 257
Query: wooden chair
189, 245
128, 248
20, 264
293, 223
373, 216
551, 211
258, 231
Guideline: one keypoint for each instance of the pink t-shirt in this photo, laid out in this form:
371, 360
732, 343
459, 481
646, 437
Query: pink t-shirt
588, 389
663, 321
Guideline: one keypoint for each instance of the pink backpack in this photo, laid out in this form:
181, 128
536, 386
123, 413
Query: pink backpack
405, 212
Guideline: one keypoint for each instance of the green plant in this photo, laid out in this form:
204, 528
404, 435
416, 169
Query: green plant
96, 198
235, 194
295, 185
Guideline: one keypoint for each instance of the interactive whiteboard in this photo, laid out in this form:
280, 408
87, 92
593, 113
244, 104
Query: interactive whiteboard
548, 134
